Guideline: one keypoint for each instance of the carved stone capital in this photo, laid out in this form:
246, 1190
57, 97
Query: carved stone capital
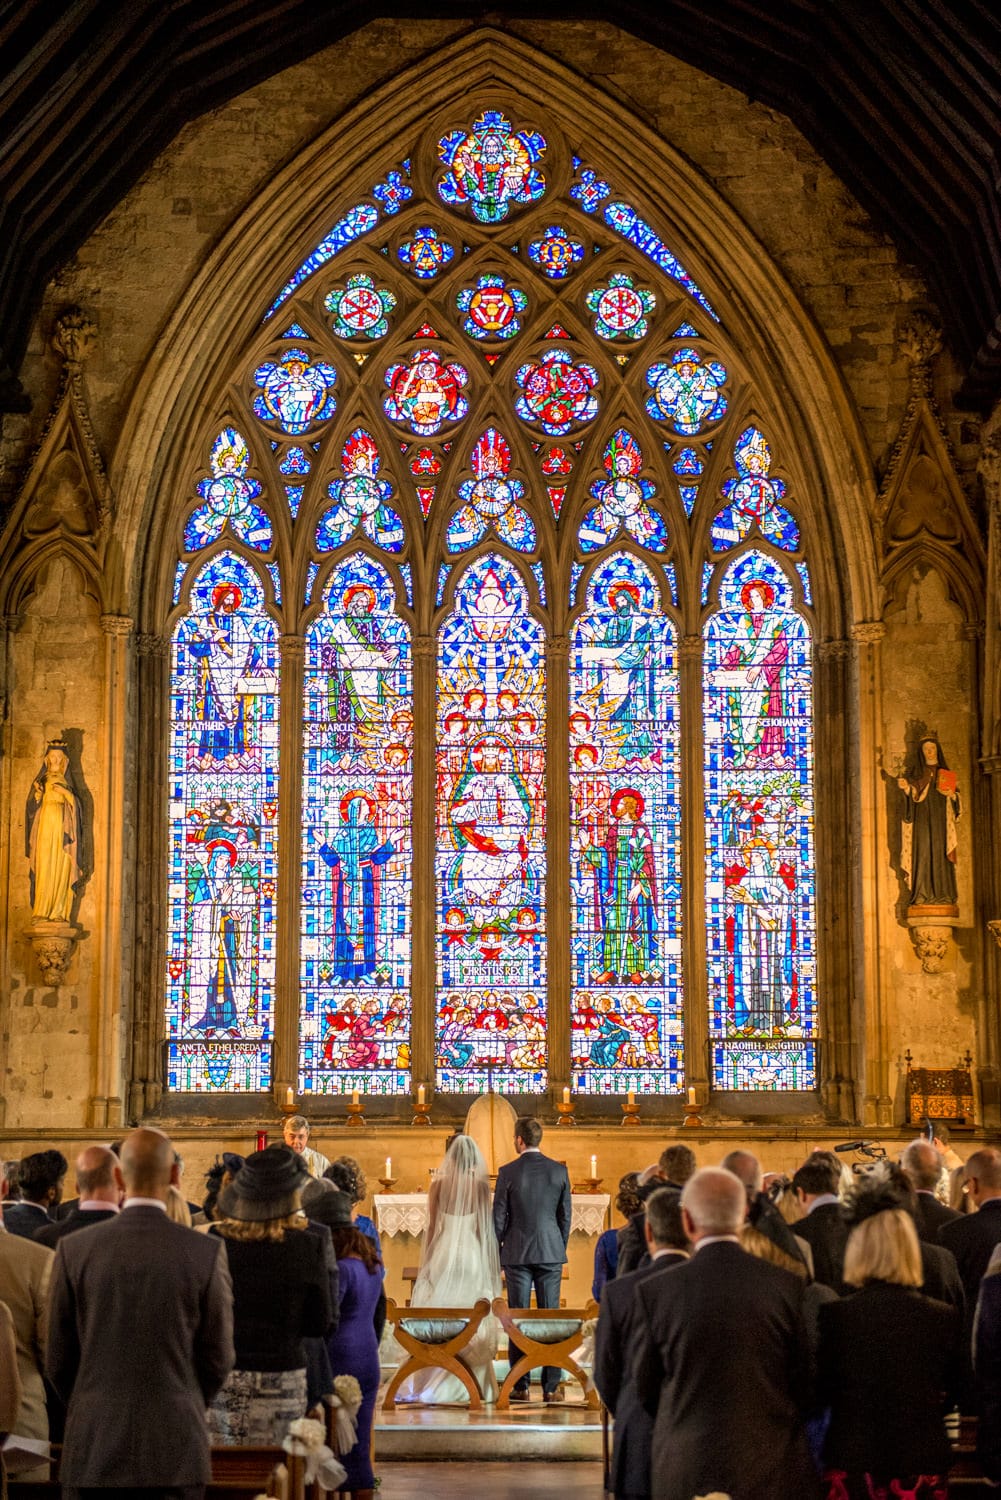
690, 648
931, 932
150, 644
974, 631
833, 650
14, 623
53, 944
119, 625
292, 647
424, 648
994, 928
558, 648
920, 341
991, 765
868, 632
73, 335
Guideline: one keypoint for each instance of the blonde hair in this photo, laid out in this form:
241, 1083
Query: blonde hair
884, 1247
260, 1229
788, 1204
762, 1248
177, 1208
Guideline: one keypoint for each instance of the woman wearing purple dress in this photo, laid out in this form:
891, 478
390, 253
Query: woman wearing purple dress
354, 1349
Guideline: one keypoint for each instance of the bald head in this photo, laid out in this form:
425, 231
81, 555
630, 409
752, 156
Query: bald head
713, 1202
745, 1166
148, 1164
97, 1175
983, 1175
923, 1165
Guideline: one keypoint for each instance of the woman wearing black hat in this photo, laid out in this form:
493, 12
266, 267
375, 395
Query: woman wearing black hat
281, 1295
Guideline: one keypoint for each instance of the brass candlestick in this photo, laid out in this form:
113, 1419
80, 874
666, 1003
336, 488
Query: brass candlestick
388, 1183
692, 1117
422, 1114
588, 1185
630, 1113
356, 1113
565, 1112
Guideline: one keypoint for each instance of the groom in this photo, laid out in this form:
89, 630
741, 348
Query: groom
532, 1212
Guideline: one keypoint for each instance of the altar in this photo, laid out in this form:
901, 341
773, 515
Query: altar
402, 1219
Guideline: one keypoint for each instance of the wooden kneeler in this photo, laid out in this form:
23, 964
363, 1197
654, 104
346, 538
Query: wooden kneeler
536, 1352
436, 1353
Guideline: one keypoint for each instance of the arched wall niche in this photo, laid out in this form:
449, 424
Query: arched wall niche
789, 386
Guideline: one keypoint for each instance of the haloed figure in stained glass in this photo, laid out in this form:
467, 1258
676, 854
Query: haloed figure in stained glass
359, 659
625, 692
228, 678
490, 816
752, 674
354, 855
626, 885
760, 939
219, 939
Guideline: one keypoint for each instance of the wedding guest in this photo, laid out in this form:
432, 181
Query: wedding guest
295, 1133
761, 1210
923, 1165
972, 1239
219, 1175
25, 1269
816, 1183
138, 1370
606, 1251
281, 1294
721, 1361
347, 1175
987, 1370
677, 1163
10, 1377
178, 1210
41, 1177
939, 1273
99, 1186
886, 1337
353, 1348
959, 1198
615, 1342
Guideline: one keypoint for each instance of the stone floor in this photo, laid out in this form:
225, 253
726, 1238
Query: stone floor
490, 1480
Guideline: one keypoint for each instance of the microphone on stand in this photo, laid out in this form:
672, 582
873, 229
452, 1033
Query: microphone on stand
855, 1146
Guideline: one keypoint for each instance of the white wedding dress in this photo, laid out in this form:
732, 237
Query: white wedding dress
459, 1265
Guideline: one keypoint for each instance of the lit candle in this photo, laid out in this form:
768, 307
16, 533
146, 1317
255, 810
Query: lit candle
354, 1096
594, 1166
420, 1093
566, 1096
289, 1098
389, 1168
691, 1098
631, 1097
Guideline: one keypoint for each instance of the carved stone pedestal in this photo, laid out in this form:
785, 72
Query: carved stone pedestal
931, 932
53, 944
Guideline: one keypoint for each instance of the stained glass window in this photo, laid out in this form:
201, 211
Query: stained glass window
492, 308
760, 877
687, 392
229, 499
491, 167
361, 500
625, 837
360, 309
491, 499
621, 308
491, 818
296, 394
754, 500
622, 498
222, 841
425, 392
557, 392
357, 812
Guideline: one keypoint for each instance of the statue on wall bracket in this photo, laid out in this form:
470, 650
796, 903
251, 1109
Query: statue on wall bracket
53, 837
928, 848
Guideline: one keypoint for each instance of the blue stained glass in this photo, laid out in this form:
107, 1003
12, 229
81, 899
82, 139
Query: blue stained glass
311, 573
804, 573
222, 842
356, 851
293, 494
426, 253
408, 582
754, 500
229, 498
627, 222
393, 193
707, 575
492, 167
686, 331
623, 500
491, 857
556, 253
491, 500
760, 875
179, 573
672, 579
360, 500
540, 578
443, 572
627, 998
576, 569
294, 461
686, 391
688, 463
276, 580
689, 495
295, 331
590, 191
359, 221
295, 393
492, 308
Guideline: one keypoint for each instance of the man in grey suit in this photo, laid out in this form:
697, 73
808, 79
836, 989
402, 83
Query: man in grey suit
140, 1339
532, 1213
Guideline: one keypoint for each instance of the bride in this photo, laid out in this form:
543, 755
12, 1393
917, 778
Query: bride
459, 1265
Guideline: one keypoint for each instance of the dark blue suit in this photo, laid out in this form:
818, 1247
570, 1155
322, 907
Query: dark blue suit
532, 1214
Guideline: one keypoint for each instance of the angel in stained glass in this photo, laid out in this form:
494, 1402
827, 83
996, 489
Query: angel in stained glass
361, 499
623, 500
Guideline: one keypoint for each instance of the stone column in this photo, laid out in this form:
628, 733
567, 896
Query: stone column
104, 1108
986, 831
698, 1071
869, 851
424, 905
840, 1077
11, 625
146, 1068
558, 861
285, 1045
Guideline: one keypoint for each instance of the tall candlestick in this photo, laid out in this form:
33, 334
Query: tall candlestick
289, 1098
691, 1098
566, 1096
354, 1096
389, 1166
594, 1166
420, 1093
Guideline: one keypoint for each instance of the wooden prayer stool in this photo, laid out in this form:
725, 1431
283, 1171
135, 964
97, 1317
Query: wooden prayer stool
545, 1336
434, 1338
244, 1473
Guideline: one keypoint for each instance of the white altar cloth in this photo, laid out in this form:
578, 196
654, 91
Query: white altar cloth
407, 1213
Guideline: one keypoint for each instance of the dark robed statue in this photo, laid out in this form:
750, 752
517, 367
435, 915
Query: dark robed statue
928, 843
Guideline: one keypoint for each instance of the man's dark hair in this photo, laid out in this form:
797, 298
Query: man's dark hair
528, 1130
663, 1214
678, 1163
40, 1172
817, 1175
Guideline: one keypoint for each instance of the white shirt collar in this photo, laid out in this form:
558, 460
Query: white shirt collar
822, 1200
715, 1239
145, 1203
97, 1205
667, 1250
529, 1149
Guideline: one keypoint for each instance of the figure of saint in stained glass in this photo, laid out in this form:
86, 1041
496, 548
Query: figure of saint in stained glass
626, 893
622, 500
760, 940
751, 674
360, 659
220, 940
687, 392
491, 499
354, 855
295, 393
229, 499
230, 675
426, 392
361, 499
754, 499
624, 696
492, 169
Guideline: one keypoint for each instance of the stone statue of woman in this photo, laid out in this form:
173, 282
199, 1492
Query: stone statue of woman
928, 844
53, 827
